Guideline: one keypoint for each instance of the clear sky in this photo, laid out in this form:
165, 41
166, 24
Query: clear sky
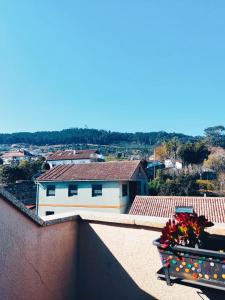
125, 65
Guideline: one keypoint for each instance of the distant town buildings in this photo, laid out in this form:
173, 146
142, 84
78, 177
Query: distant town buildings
106, 186
15, 157
66, 157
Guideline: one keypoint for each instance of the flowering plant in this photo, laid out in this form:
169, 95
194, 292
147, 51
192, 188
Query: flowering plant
185, 229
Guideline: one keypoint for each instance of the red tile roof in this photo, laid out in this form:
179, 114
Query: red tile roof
30, 206
116, 170
16, 154
164, 206
72, 154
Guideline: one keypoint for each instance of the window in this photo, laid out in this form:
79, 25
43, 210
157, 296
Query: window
124, 190
96, 190
48, 213
50, 190
72, 190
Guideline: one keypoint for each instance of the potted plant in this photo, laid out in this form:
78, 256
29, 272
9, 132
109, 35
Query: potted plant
188, 252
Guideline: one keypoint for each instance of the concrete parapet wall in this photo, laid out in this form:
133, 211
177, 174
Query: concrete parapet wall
84, 256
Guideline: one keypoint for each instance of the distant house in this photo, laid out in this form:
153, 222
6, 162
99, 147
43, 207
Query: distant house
175, 164
15, 157
74, 157
106, 186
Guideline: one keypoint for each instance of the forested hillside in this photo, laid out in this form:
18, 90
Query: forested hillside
91, 136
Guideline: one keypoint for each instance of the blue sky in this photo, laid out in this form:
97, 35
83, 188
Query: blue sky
122, 65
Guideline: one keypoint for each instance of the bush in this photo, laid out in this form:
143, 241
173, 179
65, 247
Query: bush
207, 185
24, 171
154, 187
181, 185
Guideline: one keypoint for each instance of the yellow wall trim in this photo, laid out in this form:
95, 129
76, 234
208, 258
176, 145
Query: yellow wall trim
84, 205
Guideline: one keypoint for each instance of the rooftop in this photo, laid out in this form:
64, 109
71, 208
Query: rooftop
164, 206
20, 153
84, 256
116, 170
72, 155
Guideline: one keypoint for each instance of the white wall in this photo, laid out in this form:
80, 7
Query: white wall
110, 201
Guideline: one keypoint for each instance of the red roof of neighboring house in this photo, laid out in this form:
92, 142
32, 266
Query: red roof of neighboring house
16, 154
72, 154
116, 170
164, 206
31, 206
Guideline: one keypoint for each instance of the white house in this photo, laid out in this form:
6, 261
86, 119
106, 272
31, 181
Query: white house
15, 157
74, 157
175, 164
106, 186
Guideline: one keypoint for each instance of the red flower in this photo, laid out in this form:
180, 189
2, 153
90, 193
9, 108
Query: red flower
185, 229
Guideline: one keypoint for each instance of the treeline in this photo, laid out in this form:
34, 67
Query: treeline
91, 136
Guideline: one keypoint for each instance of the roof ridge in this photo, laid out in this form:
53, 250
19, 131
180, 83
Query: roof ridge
180, 197
118, 161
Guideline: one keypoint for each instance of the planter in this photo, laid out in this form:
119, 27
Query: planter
204, 267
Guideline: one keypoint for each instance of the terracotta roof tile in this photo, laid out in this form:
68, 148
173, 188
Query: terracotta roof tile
122, 170
72, 154
164, 206
16, 154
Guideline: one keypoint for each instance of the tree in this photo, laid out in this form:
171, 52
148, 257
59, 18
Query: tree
182, 185
193, 153
215, 136
216, 163
45, 166
160, 153
171, 148
24, 171
154, 187
9, 174
91, 136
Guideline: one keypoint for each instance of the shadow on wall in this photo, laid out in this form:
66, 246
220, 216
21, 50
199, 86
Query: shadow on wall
101, 276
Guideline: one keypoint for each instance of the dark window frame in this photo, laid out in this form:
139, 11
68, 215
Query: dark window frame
95, 190
72, 187
124, 190
49, 212
49, 188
